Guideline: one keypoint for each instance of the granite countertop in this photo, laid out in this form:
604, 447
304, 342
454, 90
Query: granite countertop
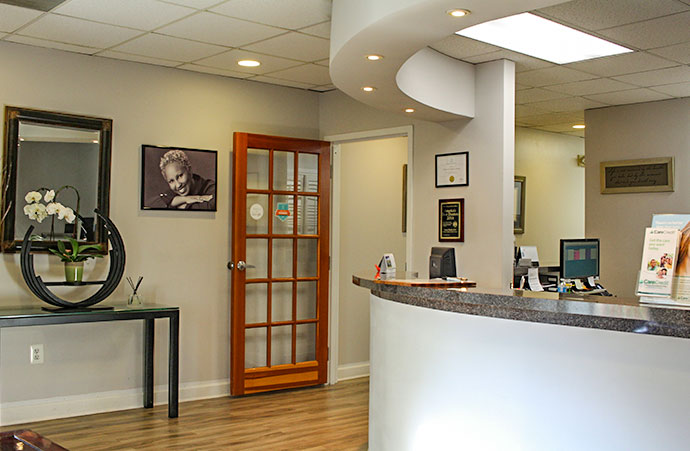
594, 312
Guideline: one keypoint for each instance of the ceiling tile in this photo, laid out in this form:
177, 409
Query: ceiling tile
675, 90
553, 118
214, 71
77, 31
629, 96
678, 52
596, 86
292, 14
51, 44
13, 17
558, 128
676, 74
519, 87
278, 81
568, 104
139, 14
579, 133
322, 30
167, 47
551, 76
529, 110
293, 45
653, 33
228, 60
460, 47
198, 4
138, 58
621, 64
323, 62
307, 73
217, 29
600, 14
522, 62
536, 95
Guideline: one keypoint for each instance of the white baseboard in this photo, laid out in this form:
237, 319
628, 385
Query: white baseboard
70, 406
353, 371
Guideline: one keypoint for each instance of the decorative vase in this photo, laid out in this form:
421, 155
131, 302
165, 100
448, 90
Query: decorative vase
74, 271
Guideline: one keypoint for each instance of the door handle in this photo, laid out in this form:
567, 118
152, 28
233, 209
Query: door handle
241, 265
231, 265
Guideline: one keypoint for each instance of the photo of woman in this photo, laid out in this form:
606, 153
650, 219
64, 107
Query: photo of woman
178, 179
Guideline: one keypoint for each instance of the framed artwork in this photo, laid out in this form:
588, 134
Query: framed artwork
636, 176
519, 205
176, 178
451, 220
452, 169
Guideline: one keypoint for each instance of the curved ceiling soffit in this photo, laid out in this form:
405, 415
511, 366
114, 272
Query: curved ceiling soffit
410, 75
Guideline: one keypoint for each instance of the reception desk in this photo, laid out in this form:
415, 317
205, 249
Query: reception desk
508, 370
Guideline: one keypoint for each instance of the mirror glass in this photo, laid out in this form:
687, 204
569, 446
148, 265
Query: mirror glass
65, 160
59, 152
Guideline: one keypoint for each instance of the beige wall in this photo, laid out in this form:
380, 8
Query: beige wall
182, 256
489, 196
555, 194
370, 225
646, 130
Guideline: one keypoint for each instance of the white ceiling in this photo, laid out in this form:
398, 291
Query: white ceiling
291, 39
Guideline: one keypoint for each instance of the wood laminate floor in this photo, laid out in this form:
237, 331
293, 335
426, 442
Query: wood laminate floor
320, 418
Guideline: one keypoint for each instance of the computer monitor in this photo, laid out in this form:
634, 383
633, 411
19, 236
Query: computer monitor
442, 262
579, 258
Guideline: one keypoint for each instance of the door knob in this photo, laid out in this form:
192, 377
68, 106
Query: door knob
241, 265
231, 265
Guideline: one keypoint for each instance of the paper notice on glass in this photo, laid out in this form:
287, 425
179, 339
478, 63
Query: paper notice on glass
533, 279
658, 262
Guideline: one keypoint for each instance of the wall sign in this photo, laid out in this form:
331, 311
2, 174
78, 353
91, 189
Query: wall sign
451, 220
282, 211
452, 169
636, 176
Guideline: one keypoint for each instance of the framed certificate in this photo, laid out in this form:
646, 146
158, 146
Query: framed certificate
452, 169
451, 220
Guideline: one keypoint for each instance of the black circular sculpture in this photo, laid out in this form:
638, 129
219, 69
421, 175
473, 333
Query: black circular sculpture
40, 288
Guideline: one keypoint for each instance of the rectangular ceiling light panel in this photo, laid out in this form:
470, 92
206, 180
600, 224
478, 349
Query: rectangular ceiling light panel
39, 5
542, 38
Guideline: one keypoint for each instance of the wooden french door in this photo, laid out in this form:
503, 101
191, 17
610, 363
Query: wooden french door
280, 225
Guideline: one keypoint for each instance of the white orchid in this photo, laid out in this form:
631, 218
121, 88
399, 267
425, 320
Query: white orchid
70, 216
37, 212
32, 196
49, 195
52, 207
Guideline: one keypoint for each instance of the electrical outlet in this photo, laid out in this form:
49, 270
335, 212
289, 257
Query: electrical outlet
36, 354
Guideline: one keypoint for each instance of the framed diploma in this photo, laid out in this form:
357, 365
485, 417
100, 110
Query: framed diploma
451, 220
452, 169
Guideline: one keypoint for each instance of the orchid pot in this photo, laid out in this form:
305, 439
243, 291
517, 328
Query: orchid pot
74, 271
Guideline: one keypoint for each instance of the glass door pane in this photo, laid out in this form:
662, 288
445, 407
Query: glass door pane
281, 345
258, 212
257, 168
255, 303
283, 171
255, 347
308, 172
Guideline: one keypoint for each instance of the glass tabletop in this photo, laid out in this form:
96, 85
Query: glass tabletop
37, 310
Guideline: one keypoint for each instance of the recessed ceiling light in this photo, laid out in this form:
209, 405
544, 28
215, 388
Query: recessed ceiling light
249, 63
542, 38
409, 110
579, 126
368, 89
374, 57
458, 12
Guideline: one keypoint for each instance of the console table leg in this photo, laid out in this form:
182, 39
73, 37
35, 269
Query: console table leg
173, 365
149, 329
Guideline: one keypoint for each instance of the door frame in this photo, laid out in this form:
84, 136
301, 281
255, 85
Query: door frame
336, 141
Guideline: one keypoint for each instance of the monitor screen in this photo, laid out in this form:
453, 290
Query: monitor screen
580, 258
442, 262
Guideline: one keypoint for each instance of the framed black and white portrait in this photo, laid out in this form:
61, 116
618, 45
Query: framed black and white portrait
176, 178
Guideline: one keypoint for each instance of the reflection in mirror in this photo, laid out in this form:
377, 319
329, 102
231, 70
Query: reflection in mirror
57, 157
66, 153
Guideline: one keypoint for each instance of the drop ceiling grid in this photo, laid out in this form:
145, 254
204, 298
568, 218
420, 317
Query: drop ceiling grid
184, 33
291, 37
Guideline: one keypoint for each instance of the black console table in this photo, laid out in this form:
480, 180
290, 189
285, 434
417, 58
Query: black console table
35, 316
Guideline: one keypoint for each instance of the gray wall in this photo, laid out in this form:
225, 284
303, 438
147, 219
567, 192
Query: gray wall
646, 130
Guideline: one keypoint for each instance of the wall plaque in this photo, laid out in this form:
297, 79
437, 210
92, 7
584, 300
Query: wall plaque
451, 220
636, 176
